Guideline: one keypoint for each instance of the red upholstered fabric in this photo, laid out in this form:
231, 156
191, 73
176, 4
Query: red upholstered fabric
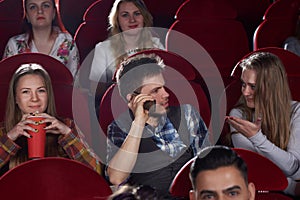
212, 24
163, 12
181, 184
53, 178
273, 32
271, 196
290, 61
251, 10
6, 8
283, 9
279, 22
93, 29
250, 13
200, 9
11, 17
72, 12
224, 39
262, 172
111, 106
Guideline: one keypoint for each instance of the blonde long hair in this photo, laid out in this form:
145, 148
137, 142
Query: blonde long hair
13, 113
117, 39
272, 97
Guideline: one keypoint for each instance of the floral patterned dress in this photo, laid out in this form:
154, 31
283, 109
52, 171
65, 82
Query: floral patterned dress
64, 49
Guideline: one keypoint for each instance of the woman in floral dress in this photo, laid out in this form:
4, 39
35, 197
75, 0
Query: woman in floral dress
44, 34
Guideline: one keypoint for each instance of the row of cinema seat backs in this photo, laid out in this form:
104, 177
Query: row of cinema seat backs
75, 16
250, 13
63, 183
53, 178
232, 91
268, 178
180, 84
279, 22
94, 27
213, 25
72, 12
11, 15
70, 102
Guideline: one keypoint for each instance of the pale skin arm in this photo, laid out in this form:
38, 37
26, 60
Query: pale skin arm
124, 160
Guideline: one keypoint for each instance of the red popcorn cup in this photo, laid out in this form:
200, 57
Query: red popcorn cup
36, 144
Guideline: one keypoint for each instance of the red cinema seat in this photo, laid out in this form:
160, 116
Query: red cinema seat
93, 29
53, 178
72, 11
279, 22
268, 179
11, 18
214, 26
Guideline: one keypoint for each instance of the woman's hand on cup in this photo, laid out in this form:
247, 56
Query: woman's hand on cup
55, 126
21, 128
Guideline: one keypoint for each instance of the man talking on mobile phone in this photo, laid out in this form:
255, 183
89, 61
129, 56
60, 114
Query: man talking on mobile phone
150, 143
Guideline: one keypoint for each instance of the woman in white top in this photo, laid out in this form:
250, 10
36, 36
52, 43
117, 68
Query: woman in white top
128, 22
265, 119
44, 34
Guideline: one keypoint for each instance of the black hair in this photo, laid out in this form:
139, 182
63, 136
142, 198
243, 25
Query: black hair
214, 157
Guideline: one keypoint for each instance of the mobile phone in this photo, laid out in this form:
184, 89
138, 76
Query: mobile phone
148, 104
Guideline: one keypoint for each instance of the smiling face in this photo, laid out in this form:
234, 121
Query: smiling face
248, 79
31, 94
40, 13
154, 86
222, 183
130, 18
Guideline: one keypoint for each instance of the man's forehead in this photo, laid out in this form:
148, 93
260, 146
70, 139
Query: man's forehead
155, 79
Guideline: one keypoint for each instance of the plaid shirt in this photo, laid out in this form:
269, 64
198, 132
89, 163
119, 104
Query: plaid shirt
164, 135
73, 144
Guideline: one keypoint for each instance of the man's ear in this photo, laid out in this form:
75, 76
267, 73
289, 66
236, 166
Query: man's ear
251, 190
192, 195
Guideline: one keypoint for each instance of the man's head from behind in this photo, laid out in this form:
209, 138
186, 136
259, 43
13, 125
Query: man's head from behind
219, 173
